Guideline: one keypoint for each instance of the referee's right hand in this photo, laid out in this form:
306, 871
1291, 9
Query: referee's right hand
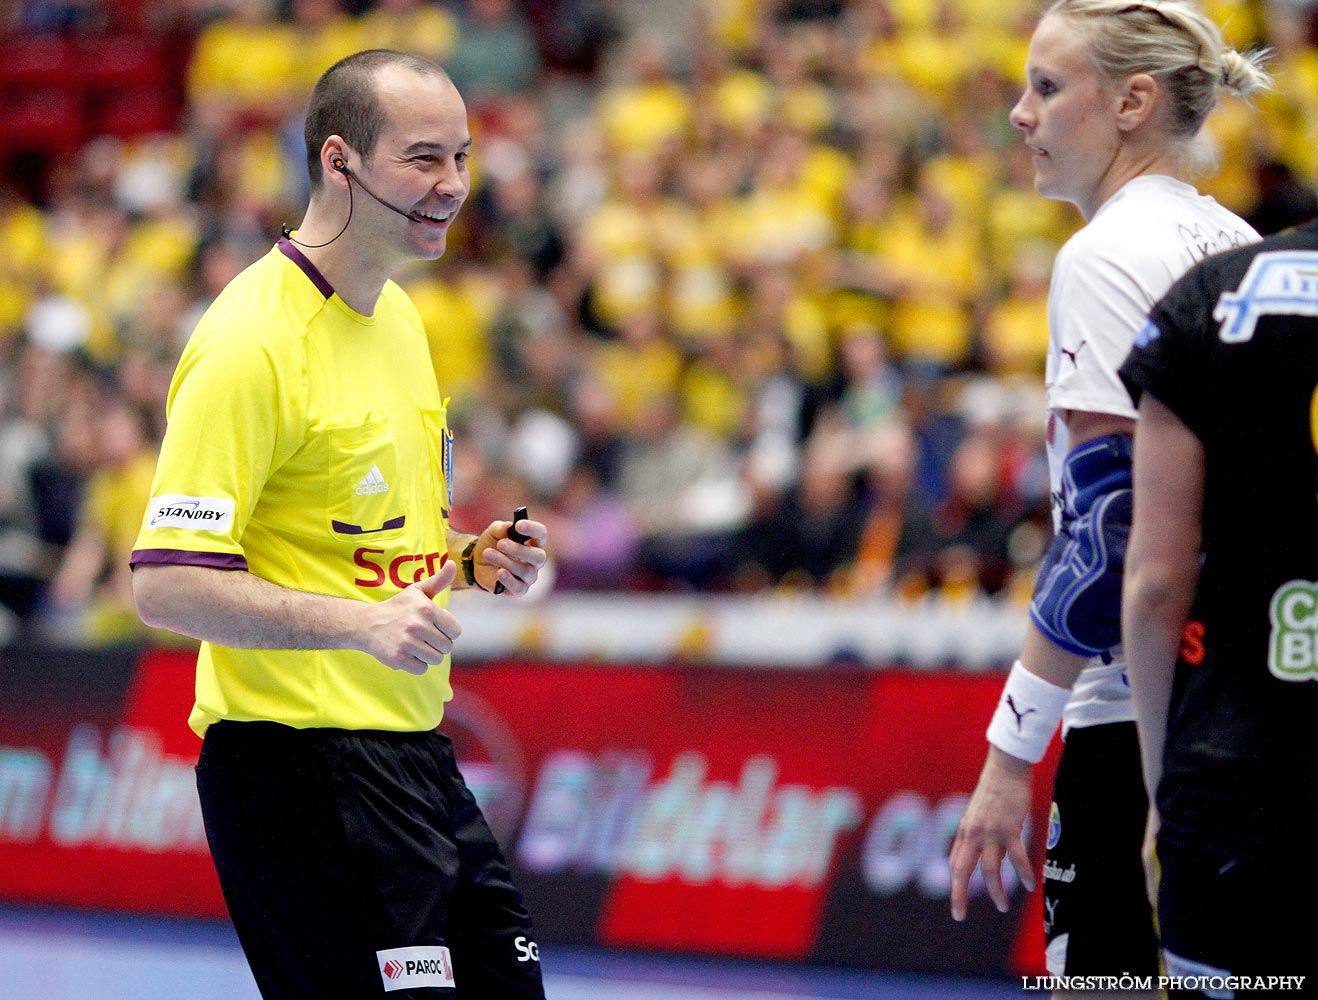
410, 631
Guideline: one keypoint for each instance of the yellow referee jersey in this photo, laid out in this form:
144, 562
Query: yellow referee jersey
307, 444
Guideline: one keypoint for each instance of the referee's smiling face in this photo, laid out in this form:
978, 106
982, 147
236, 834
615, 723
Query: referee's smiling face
1068, 115
419, 163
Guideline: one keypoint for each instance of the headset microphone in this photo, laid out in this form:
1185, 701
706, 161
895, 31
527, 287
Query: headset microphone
342, 168
338, 164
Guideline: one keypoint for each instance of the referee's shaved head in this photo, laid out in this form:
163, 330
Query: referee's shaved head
346, 102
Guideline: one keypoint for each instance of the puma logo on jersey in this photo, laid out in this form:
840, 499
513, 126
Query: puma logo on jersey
1020, 716
1072, 354
372, 482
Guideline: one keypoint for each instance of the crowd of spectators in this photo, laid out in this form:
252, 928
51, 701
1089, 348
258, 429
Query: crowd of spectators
751, 297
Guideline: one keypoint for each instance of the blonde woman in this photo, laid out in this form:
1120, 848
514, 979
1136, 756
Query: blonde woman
1116, 95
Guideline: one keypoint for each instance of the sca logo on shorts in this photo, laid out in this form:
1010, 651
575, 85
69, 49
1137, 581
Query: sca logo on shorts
1293, 645
1054, 826
527, 951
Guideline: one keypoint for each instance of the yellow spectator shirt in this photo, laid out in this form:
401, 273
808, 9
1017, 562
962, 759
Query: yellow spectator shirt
308, 445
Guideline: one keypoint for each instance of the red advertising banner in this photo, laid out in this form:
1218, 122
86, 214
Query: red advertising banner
800, 814
792, 814
98, 803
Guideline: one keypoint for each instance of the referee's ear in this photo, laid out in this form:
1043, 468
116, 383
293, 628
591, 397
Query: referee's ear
435, 585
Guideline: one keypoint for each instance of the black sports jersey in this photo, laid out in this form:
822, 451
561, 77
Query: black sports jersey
1232, 350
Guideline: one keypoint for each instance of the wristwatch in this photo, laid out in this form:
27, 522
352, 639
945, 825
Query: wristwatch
469, 564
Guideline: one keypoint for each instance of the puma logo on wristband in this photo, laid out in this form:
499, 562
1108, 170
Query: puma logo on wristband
1020, 716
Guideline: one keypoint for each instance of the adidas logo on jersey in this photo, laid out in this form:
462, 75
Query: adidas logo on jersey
372, 482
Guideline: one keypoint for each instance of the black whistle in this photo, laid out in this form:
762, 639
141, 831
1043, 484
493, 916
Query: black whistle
518, 515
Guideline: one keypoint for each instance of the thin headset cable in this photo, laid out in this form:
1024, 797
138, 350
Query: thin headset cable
288, 233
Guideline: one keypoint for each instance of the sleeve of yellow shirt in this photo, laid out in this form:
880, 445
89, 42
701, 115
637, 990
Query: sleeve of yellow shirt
232, 420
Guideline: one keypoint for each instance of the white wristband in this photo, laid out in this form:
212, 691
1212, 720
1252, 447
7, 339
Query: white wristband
1027, 714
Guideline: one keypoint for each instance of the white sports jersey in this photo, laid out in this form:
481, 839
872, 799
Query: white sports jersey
1105, 280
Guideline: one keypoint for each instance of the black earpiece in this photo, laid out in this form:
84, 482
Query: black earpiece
341, 166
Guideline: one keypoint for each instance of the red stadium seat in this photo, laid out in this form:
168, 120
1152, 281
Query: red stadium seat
125, 15
138, 111
46, 120
125, 61
37, 61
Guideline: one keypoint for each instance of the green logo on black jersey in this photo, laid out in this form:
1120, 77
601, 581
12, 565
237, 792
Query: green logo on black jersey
1293, 646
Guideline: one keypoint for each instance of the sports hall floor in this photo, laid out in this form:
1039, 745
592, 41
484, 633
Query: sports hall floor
49, 954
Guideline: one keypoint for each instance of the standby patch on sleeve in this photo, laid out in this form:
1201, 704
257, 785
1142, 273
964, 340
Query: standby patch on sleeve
190, 513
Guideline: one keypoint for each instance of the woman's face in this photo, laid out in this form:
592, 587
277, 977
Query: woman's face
1068, 114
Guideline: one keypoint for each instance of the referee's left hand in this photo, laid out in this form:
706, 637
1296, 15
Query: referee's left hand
498, 559
409, 631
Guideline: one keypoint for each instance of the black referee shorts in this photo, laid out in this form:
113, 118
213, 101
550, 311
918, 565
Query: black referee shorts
356, 864
1097, 916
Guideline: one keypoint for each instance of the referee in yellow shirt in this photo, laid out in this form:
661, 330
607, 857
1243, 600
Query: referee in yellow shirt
298, 526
